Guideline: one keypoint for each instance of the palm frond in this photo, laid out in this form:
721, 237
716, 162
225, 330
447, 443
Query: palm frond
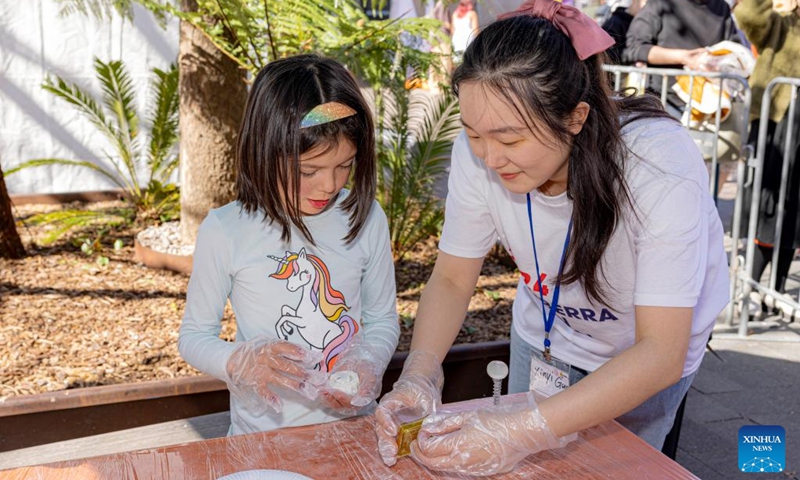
74, 95
119, 98
65, 220
124, 176
437, 129
164, 124
429, 217
418, 145
38, 162
118, 93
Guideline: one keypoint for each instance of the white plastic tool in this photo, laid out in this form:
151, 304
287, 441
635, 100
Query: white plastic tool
498, 370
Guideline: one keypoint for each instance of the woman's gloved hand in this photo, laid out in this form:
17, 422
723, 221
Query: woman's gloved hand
417, 393
355, 379
484, 442
259, 365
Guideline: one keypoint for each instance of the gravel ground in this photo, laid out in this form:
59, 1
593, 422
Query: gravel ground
70, 319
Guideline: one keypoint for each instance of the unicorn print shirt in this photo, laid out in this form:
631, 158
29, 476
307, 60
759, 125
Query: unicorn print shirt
319, 297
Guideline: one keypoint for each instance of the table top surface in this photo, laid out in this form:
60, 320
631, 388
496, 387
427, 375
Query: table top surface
348, 449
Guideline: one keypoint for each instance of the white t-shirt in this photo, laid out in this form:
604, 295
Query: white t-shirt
672, 256
242, 258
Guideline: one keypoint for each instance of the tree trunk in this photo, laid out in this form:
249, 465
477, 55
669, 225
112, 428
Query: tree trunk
213, 94
10, 244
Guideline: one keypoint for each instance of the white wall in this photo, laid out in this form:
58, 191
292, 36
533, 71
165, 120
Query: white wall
36, 41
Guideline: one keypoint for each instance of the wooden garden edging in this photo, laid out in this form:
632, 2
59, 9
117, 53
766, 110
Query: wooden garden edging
60, 198
31, 420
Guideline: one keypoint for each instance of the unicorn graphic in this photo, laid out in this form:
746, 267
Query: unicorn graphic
319, 316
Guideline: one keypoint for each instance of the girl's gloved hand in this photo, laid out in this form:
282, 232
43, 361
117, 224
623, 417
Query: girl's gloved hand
484, 442
417, 393
259, 365
355, 380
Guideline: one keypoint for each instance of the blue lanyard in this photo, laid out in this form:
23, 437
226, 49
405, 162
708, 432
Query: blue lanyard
549, 317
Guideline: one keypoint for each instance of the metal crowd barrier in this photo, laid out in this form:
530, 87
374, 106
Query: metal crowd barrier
708, 142
745, 283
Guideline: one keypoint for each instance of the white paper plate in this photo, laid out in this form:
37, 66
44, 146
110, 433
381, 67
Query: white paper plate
265, 475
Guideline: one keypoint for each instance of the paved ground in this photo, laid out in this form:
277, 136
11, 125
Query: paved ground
750, 381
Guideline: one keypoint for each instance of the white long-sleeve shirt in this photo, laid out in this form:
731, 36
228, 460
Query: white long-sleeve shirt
318, 296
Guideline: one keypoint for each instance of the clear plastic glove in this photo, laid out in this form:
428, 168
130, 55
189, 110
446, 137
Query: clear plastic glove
259, 365
486, 441
416, 394
355, 380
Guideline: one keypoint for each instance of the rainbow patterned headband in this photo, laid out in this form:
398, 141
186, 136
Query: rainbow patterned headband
326, 112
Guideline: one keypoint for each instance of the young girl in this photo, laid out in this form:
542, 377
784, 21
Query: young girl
603, 202
305, 263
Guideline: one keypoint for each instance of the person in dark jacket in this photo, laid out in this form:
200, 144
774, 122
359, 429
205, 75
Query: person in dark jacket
617, 25
773, 28
674, 34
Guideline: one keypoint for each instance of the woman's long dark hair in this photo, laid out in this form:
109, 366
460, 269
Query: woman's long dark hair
534, 66
271, 140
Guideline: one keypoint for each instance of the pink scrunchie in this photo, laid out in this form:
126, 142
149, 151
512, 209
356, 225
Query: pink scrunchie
585, 34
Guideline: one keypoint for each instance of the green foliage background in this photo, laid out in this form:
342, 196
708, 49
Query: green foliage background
415, 129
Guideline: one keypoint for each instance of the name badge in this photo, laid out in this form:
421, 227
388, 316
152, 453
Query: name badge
548, 378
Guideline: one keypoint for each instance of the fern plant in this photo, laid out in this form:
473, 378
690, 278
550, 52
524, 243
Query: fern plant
255, 32
116, 119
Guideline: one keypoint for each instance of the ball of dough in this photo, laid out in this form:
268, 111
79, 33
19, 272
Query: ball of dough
345, 381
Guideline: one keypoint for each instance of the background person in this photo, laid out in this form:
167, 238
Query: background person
617, 25
773, 28
674, 34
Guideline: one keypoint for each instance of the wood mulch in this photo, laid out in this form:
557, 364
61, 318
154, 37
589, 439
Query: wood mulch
70, 320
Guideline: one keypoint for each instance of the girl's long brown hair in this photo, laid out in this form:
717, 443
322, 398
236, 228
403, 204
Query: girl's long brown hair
271, 140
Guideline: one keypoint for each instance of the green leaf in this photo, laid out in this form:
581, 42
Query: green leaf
411, 160
87, 105
38, 162
65, 220
164, 124
492, 294
118, 97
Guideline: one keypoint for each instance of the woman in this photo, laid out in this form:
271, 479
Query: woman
603, 204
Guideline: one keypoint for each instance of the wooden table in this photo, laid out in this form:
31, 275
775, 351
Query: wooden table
348, 450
